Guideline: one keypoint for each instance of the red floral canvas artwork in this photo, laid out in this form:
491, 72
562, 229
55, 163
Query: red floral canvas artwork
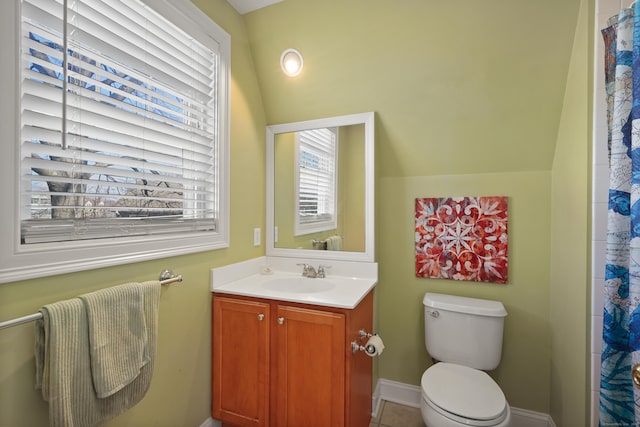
462, 238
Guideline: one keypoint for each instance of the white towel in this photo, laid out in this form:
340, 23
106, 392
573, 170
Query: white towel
63, 363
334, 243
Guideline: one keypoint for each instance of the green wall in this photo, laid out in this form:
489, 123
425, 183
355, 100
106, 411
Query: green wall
180, 391
458, 86
468, 98
570, 302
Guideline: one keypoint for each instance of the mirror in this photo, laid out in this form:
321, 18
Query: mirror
320, 188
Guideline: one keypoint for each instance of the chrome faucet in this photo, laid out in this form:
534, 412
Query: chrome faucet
310, 272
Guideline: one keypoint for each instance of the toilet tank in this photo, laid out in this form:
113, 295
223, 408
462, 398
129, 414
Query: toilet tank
465, 331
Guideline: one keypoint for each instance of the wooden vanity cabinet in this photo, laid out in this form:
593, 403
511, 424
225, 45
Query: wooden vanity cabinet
283, 364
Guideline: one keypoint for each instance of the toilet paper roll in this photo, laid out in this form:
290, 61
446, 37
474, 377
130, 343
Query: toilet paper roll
374, 346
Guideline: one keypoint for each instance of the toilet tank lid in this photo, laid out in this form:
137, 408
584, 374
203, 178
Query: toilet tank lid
481, 307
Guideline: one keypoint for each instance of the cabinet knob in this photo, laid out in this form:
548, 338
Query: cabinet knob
260, 316
280, 320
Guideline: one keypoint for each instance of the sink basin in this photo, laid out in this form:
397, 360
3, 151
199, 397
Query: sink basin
299, 285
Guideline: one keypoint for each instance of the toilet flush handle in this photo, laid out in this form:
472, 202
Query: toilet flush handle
434, 313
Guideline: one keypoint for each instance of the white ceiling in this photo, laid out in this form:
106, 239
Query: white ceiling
246, 6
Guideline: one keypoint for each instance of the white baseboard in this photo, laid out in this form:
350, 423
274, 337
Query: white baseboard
526, 418
210, 422
393, 391
410, 395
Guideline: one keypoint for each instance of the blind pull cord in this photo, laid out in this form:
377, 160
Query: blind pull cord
65, 72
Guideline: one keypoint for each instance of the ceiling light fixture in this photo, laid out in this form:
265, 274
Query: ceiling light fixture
291, 62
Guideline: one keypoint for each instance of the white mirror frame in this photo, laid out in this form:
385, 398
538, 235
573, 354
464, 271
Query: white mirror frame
369, 245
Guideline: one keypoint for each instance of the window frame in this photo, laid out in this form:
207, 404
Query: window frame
18, 261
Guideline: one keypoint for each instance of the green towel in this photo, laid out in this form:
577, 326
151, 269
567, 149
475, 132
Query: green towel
117, 336
63, 363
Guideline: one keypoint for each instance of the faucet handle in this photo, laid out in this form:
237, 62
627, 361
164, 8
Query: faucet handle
321, 272
305, 269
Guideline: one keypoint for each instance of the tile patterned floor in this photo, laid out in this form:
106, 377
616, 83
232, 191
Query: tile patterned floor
395, 415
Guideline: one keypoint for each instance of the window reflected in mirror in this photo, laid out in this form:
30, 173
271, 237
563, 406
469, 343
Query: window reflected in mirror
319, 189
316, 178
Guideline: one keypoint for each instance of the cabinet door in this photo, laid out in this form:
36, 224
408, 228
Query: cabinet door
308, 384
240, 368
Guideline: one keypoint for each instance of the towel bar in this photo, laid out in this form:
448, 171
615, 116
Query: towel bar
166, 277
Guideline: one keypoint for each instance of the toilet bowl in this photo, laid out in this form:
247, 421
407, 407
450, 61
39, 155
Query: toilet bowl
455, 396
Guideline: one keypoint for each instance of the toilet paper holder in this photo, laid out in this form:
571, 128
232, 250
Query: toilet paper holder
355, 347
367, 348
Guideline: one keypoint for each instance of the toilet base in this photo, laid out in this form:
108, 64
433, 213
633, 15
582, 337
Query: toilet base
434, 419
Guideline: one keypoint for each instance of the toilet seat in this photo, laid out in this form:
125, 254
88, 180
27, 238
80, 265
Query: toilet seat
464, 395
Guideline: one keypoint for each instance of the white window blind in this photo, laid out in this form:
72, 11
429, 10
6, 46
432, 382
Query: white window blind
316, 180
124, 140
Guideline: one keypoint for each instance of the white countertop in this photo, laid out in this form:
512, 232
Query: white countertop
342, 291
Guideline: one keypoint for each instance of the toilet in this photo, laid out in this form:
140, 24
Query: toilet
464, 337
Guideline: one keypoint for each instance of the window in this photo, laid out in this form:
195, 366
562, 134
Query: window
316, 180
122, 137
